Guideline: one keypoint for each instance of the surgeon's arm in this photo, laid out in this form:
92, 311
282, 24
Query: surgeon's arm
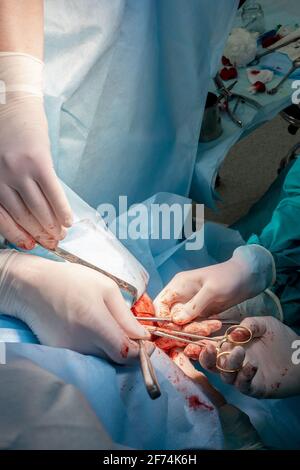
22, 26
33, 206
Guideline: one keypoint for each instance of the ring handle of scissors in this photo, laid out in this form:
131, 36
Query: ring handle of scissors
223, 369
227, 338
234, 328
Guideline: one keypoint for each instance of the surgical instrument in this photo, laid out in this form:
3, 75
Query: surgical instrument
123, 285
295, 66
271, 49
227, 95
155, 319
148, 372
196, 337
191, 338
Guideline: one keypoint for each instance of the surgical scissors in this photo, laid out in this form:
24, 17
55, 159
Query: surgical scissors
191, 338
226, 95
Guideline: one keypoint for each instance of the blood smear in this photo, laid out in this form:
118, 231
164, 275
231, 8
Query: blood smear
195, 403
144, 308
124, 351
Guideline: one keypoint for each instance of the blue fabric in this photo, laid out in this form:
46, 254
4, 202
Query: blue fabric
273, 222
126, 84
280, 64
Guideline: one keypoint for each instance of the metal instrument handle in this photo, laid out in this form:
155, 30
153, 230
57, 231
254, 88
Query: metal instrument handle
123, 285
148, 372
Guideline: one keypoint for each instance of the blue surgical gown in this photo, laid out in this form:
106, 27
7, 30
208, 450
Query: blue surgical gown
126, 84
274, 223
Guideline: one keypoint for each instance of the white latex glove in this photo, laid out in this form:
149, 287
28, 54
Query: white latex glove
266, 304
32, 203
267, 368
69, 306
211, 290
239, 432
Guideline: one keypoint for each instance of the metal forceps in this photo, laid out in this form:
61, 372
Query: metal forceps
149, 376
191, 338
123, 285
147, 368
227, 95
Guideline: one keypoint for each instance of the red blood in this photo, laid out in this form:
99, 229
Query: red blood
173, 353
228, 73
226, 62
276, 385
124, 351
260, 87
144, 308
195, 403
255, 72
26, 245
267, 42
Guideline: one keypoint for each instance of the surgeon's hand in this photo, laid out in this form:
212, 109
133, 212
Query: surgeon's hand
268, 364
208, 291
69, 306
33, 205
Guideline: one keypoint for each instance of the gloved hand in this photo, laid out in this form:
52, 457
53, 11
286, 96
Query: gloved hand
33, 205
69, 306
266, 366
211, 290
264, 304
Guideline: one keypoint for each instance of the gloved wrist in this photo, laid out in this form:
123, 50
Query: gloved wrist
239, 433
22, 113
266, 304
7, 279
272, 305
256, 267
21, 75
